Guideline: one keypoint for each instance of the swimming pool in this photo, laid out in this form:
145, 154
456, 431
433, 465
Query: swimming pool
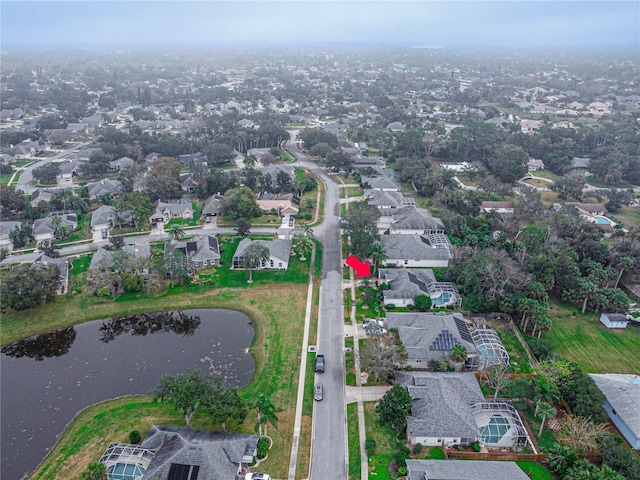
603, 220
125, 471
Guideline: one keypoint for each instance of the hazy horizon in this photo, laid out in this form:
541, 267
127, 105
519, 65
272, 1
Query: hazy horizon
284, 24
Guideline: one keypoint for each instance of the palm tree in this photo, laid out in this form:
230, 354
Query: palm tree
266, 413
176, 232
547, 412
458, 355
378, 255
250, 160
304, 247
253, 257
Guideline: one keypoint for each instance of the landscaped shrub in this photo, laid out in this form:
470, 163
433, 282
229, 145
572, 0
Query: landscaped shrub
401, 459
540, 347
370, 446
417, 448
390, 306
619, 458
135, 437
263, 447
476, 447
401, 447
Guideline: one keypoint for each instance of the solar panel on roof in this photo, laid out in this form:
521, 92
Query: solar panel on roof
444, 341
463, 328
178, 471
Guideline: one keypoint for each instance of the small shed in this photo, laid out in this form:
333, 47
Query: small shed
614, 320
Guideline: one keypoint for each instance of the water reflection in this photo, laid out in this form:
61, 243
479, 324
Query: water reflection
39, 347
142, 324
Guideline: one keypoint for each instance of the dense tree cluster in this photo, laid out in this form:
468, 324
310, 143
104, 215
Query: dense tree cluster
29, 286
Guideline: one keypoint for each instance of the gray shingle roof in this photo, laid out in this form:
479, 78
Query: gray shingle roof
463, 469
377, 183
104, 187
623, 394
441, 405
103, 215
199, 248
420, 332
382, 198
415, 219
217, 454
280, 249
411, 247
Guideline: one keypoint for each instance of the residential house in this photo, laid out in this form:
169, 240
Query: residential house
102, 220
387, 202
188, 453
380, 183
203, 250
5, 240
464, 469
102, 259
622, 392
39, 259
121, 163
285, 205
450, 408
77, 127
580, 162
458, 167
415, 221
590, 209
405, 284
396, 127
45, 228
504, 208
191, 158
103, 187
428, 336
427, 250
273, 170
614, 320
41, 195
166, 211
188, 183
279, 253
68, 170
211, 207
535, 164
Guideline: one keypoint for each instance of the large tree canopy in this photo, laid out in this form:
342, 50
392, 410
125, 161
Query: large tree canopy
29, 286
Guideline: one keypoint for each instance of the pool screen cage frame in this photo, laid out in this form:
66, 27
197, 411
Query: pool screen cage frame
487, 340
126, 453
517, 431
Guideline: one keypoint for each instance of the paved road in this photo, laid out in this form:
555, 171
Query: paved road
25, 183
329, 442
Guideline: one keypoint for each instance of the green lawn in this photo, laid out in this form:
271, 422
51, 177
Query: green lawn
354, 441
535, 471
545, 174
5, 177
597, 349
350, 362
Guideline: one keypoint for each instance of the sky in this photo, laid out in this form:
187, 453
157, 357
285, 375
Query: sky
182, 23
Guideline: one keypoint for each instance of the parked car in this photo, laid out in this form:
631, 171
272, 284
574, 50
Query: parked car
320, 364
318, 392
257, 476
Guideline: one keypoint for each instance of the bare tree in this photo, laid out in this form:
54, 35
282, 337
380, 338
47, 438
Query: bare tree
580, 433
382, 355
496, 377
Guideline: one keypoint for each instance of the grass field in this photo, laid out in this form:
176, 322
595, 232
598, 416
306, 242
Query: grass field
535, 471
354, 442
597, 349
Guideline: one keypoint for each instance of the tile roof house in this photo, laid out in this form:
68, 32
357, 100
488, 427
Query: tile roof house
279, 253
622, 392
5, 229
104, 187
427, 336
190, 454
396, 127
590, 209
441, 407
203, 250
415, 221
405, 284
165, 211
464, 469
429, 250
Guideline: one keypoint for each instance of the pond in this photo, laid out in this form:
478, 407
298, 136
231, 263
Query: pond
47, 379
